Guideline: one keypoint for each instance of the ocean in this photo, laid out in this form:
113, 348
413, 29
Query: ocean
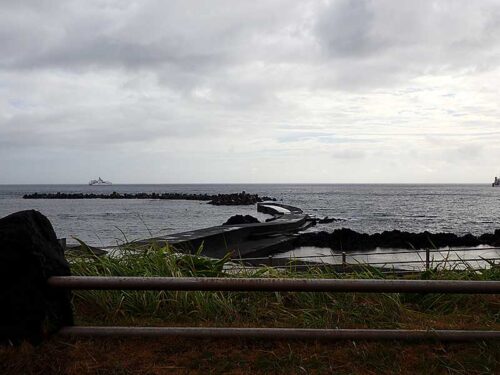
366, 208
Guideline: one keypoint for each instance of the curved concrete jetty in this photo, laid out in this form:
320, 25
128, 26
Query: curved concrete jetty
274, 208
242, 240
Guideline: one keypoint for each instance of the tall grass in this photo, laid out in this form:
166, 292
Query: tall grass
319, 310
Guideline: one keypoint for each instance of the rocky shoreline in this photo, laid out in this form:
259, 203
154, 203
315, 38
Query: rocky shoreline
234, 199
348, 240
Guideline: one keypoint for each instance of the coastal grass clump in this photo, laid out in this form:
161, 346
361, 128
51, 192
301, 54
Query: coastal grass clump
279, 309
216, 356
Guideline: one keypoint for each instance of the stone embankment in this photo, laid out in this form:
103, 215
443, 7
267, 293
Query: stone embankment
235, 199
238, 199
348, 240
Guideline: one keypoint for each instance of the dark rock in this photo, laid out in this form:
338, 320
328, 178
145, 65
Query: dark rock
348, 240
240, 219
327, 219
238, 199
29, 255
235, 199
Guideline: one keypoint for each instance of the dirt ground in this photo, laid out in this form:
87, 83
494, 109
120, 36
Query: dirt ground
187, 356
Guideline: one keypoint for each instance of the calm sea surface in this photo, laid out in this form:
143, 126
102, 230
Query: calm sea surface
365, 208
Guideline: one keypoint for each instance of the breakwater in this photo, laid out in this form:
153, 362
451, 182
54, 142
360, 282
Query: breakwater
234, 199
348, 240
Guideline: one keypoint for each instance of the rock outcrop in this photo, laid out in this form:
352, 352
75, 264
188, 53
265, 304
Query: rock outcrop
241, 219
348, 240
238, 199
29, 255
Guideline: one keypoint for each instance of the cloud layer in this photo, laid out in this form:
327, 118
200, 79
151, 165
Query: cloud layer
262, 91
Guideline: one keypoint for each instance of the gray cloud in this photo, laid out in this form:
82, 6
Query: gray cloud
388, 41
242, 85
348, 154
344, 28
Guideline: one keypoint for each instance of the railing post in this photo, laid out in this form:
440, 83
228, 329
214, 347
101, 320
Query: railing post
270, 260
427, 259
344, 260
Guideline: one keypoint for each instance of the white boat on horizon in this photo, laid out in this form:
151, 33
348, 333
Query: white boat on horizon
99, 182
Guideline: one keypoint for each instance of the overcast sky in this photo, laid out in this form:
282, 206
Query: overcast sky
249, 91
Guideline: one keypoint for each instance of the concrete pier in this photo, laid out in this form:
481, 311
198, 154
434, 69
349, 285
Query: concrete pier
242, 240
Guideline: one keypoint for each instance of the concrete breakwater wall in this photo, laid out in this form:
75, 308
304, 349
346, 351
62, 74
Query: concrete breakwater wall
234, 199
241, 240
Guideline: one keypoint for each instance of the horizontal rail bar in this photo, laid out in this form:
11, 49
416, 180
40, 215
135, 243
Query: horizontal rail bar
268, 284
285, 333
371, 253
451, 250
333, 255
325, 265
385, 270
433, 261
289, 257
354, 262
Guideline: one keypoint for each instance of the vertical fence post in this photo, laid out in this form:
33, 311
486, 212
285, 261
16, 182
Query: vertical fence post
344, 260
270, 260
427, 259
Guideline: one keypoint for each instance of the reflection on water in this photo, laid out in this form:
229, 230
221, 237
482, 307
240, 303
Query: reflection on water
446, 257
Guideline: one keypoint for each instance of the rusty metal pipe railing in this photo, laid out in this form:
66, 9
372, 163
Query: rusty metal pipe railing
274, 285
284, 333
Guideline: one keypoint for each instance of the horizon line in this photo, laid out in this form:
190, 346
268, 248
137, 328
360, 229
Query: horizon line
256, 183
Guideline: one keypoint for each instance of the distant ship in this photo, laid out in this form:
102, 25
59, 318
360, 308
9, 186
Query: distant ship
99, 182
496, 183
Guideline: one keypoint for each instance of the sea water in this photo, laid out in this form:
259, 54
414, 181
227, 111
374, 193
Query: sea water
457, 209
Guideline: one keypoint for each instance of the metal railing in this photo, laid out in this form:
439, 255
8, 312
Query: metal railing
448, 256
273, 285
285, 333
279, 285
394, 252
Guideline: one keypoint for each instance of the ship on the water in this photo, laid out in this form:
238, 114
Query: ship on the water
496, 183
99, 182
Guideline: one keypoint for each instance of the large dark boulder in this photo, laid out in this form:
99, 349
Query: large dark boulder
29, 255
240, 219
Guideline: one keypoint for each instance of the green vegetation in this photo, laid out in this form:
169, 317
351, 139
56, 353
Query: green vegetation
318, 310
262, 309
